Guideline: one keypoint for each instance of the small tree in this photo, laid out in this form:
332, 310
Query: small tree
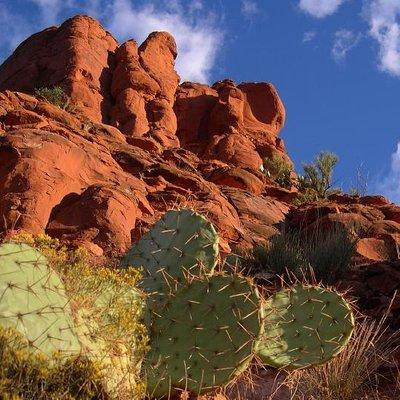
57, 96
318, 175
278, 169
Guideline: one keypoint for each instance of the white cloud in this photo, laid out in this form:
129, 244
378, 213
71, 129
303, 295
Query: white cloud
320, 8
198, 39
390, 185
249, 8
309, 36
383, 17
344, 41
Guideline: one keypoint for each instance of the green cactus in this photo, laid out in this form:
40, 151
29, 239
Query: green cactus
304, 326
179, 242
204, 336
33, 301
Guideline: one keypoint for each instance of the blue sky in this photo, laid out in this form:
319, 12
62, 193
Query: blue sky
335, 63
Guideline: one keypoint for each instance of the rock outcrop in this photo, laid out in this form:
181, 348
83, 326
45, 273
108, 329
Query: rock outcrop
143, 86
78, 56
164, 145
235, 124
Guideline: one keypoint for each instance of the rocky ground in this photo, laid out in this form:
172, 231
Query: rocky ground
135, 142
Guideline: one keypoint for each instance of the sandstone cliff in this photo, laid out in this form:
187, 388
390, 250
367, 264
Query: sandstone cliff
140, 142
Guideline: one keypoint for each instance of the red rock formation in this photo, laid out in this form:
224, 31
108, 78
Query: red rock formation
77, 56
83, 181
143, 86
235, 124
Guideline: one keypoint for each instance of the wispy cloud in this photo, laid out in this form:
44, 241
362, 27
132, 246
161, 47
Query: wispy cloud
249, 8
389, 186
198, 37
309, 36
383, 17
344, 41
320, 8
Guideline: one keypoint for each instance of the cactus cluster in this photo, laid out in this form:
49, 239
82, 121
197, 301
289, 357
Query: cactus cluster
210, 325
205, 326
181, 242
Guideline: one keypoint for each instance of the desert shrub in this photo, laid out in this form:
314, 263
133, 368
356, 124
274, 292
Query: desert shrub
360, 184
318, 175
354, 373
328, 252
56, 96
307, 196
283, 253
279, 169
28, 375
107, 301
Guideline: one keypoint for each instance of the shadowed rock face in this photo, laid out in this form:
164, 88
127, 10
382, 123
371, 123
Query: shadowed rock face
164, 145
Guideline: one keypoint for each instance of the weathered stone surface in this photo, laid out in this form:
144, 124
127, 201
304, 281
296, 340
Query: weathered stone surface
77, 56
72, 175
234, 124
143, 86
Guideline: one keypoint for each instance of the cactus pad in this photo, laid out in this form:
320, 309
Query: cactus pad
33, 301
203, 337
181, 240
304, 326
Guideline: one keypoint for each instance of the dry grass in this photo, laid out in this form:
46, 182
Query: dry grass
355, 373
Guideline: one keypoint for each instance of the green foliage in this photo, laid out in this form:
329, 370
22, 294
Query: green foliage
328, 251
25, 375
304, 326
204, 335
56, 96
318, 175
285, 251
107, 309
307, 196
279, 169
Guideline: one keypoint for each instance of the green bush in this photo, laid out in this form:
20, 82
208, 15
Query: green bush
55, 95
284, 252
31, 376
318, 175
328, 252
278, 169
107, 302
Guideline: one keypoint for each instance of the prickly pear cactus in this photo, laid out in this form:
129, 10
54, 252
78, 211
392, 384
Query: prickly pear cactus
204, 336
180, 241
33, 301
304, 326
